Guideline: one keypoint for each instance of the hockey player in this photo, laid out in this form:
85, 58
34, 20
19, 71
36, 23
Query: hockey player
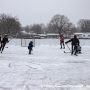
0, 38
30, 46
3, 42
74, 44
62, 41
0, 42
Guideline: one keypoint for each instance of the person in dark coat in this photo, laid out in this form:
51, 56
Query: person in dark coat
62, 41
74, 43
30, 46
0, 38
3, 42
0, 42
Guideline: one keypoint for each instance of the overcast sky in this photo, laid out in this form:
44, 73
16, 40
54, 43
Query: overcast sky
41, 11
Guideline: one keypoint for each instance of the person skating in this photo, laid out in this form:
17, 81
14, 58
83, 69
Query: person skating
74, 44
30, 46
0, 38
3, 42
0, 42
62, 42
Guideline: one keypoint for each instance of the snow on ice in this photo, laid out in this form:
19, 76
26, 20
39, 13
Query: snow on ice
47, 68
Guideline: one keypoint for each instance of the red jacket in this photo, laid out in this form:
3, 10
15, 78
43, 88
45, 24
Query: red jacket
62, 39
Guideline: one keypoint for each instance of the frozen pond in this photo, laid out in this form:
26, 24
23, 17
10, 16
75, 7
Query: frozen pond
47, 68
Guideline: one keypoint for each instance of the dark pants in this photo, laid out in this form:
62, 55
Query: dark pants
74, 49
30, 51
2, 46
62, 44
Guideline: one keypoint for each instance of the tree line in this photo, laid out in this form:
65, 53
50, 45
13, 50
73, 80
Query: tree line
58, 24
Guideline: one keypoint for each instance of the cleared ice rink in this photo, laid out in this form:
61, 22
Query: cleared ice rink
47, 68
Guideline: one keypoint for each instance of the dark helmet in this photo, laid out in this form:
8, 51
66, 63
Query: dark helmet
31, 41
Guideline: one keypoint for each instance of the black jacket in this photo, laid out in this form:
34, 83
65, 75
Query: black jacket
74, 41
4, 40
0, 39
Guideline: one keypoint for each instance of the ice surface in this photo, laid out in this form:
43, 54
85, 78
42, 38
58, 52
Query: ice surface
47, 68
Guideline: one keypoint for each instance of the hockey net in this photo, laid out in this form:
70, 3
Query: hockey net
25, 42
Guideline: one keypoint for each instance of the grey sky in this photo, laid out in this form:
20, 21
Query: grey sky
41, 11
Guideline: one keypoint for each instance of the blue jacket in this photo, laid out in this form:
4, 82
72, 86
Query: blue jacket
30, 45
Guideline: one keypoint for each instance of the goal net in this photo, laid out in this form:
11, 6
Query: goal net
25, 42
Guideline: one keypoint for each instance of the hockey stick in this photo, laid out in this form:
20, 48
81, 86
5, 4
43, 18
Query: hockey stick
66, 52
69, 49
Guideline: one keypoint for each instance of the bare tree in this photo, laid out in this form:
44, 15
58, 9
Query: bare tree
37, 28
26, 28
70, 29
59, 22
51, 28
9, 25
84, 25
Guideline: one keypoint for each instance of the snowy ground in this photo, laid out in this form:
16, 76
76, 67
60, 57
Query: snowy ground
47, 68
